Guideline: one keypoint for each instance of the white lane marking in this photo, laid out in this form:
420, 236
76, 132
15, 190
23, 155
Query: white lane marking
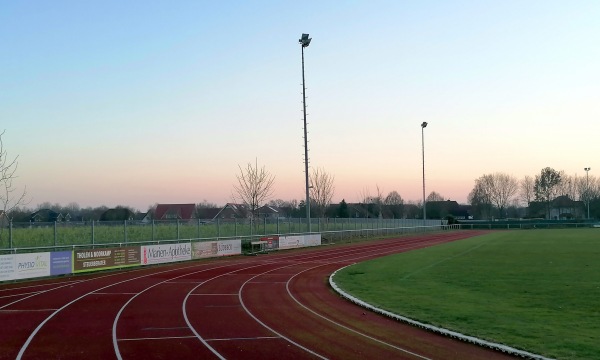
344, 326
39, 327
183, 308
247, 338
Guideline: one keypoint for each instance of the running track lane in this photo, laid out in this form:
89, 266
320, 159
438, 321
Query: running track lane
272, 306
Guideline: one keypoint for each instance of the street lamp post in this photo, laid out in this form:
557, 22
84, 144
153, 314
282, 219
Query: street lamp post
423, 126
304, 42
587, 189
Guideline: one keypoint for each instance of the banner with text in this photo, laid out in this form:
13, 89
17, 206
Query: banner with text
272, 242
291, 242
105, 258
160, 254
208, 249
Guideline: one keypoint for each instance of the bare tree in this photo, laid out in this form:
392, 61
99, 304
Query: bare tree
395, 203
546, 186
480, 197
254, 187
503, 189
10, 196
434, 196
526, 187
393, 198
322, 189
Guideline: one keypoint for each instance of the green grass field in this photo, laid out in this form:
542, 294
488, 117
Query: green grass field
536, 290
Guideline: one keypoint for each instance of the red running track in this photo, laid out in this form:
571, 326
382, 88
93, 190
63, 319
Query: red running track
265, 307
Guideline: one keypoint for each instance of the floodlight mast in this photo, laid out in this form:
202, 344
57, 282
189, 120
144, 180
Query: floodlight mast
304, 42
423, 126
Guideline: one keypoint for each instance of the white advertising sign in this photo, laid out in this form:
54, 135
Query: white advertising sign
32, 265
290, 242
159, 254
312, 240
7, 267
229, 247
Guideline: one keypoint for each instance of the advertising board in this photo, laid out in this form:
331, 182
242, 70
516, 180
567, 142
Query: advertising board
105, 258
166, 253
7, 267
312, 240
291, 242
32, 265
229, 247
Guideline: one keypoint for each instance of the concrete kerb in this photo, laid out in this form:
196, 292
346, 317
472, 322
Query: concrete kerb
435, 329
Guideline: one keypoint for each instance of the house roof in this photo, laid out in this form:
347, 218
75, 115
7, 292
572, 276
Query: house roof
44, 215
240, 210
268, 209
180, 211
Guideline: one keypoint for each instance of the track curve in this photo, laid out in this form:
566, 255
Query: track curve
265, 307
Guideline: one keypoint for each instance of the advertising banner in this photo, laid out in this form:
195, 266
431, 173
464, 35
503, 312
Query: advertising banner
290, 242
7, 267
312, 240
61, 262
105, 258
229, 247
204, 249
160, 254
272, 242
32, 265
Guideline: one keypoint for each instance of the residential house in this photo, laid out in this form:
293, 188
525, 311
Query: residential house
233, 211
442, 209
270, 212
561, 208
143, 218
175, 212
46, 215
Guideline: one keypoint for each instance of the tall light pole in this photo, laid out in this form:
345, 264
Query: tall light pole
587, 189
304, 42
423, 126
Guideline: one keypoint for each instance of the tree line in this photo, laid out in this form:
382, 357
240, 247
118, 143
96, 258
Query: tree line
496, 194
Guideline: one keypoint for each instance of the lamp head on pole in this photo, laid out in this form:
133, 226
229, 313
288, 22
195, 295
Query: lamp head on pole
305, 40
424, 124
587, 169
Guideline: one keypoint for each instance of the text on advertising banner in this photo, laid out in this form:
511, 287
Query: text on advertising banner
229, 247
159, 254
61, 262
105, 258
290, 242
32, 265
7, 267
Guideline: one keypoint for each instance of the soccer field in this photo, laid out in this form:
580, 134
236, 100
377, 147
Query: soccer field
536, 290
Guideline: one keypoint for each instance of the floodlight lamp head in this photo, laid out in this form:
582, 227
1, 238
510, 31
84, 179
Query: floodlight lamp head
424, 124
305, 40
587, 169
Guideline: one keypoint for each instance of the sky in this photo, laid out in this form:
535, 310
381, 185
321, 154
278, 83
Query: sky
142, 102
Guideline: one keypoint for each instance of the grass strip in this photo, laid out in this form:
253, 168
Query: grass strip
536, 290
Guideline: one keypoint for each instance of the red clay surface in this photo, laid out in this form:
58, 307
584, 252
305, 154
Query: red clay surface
271, 306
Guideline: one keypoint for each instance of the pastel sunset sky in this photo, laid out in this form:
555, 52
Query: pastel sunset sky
142, 102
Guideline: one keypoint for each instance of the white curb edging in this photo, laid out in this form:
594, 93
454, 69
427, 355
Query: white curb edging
435, 329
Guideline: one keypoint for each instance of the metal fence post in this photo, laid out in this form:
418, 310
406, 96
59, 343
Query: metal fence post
125, 231
152, 229
177, 229
93, 233
198, 228
218, 228
10, 238
55, 234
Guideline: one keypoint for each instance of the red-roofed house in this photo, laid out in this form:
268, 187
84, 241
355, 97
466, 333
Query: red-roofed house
174, 211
